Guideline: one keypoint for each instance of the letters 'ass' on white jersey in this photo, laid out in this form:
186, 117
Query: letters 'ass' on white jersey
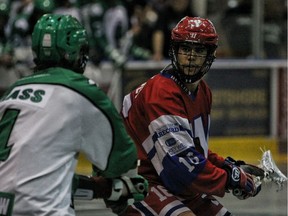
46, 120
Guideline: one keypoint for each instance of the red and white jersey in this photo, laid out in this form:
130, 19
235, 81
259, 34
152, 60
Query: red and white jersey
171, 128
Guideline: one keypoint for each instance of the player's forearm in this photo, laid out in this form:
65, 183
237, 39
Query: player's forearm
211, 181
193, 174
134, 188
215, 159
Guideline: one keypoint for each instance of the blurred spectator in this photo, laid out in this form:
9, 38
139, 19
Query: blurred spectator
6, 60
106, 22
237, 21
142, 21
17, 25
67, 7
16, 58
151, 24
275, 29
40, 7
22, 18
5, 48
170, 13
215, 13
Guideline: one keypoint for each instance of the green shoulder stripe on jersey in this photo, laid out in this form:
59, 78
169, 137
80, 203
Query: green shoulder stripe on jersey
123, 147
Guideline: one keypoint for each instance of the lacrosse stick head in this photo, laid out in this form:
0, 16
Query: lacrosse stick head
272, 172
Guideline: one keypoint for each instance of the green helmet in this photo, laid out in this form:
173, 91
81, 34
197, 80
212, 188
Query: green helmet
60, 40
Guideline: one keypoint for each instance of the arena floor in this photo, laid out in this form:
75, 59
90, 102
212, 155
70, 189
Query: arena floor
268, 203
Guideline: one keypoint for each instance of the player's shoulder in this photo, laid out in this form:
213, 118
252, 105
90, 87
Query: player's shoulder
82, 85
52, 75
161, 83
157, 89
67, 79
205, 87
55, 76
204, 83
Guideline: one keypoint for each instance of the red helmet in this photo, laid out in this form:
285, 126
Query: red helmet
196, 30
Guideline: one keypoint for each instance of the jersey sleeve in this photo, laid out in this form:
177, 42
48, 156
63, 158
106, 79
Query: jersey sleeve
89, 104
121, 147
183, 169
215, 159
123, 154
178, 160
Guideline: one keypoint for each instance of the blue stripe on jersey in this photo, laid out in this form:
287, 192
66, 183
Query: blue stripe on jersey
151, 153
185, 129
155, 137
180, 170
143, 209
171, 211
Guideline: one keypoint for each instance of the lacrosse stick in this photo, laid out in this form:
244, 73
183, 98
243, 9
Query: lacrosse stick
267, 171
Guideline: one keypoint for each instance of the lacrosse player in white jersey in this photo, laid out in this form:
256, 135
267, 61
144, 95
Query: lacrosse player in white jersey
48, 118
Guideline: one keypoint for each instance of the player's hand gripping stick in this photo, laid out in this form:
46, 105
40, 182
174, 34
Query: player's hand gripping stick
242, 184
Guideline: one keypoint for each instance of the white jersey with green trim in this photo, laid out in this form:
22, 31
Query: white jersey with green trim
45, 123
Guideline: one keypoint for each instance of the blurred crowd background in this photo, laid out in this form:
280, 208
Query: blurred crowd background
123, 30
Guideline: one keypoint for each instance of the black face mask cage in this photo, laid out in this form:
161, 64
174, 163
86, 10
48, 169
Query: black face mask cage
83, 59
173, 53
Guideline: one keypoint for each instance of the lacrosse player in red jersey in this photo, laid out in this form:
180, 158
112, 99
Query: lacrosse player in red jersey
169, 118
